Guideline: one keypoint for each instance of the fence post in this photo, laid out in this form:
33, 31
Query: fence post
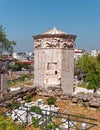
68, 122
83, 126
46, 119
27, 115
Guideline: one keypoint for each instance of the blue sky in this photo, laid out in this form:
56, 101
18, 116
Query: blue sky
24, 18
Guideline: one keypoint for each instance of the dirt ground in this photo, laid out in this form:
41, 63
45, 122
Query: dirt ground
67, 107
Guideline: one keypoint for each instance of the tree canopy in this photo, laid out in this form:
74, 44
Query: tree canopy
91, 67
5, 44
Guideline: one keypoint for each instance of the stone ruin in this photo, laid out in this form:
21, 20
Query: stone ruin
3, 74
54, 61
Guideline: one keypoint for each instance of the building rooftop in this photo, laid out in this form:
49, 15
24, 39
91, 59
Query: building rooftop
53, 31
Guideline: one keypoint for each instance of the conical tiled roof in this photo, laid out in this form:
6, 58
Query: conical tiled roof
53, 32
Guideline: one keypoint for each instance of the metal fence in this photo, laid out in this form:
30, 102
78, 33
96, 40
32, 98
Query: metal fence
47, 119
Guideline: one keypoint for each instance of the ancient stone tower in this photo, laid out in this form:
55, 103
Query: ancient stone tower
54, 60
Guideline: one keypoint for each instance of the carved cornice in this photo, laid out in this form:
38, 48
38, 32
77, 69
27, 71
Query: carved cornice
54, 39
55, 35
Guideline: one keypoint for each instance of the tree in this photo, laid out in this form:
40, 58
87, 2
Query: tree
91, 67
5, 44
15, 66
26, 65
98, 58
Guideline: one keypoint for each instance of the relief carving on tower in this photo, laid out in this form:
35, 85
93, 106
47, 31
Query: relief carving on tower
68, 44
37, 45
60, 44
54, 43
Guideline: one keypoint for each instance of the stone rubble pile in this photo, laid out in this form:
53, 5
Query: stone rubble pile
21, 116
7, 98
24, 115
89, 99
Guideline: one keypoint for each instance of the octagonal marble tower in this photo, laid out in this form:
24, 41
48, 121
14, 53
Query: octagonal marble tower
54, 60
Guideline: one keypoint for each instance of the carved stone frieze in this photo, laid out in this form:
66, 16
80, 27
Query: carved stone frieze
37, 45
54, 43
68, 44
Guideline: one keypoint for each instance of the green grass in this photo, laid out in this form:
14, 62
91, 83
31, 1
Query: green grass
7, 124
22, 80
82, 85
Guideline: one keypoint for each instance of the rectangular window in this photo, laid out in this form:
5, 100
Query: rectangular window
52, 66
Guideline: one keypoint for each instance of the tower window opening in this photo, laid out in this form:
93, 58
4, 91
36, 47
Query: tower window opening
55, 72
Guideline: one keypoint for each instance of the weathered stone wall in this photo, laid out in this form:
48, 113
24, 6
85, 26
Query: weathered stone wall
3, 74
7, 98
43, 72
67, 71
85, 100
4, 82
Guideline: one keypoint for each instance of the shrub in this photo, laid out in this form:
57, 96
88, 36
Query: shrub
7, 124
28, 97
51, 100
35, 122
15, 105
36, 109
22, 78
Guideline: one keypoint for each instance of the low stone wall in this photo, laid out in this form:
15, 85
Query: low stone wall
7, 98
87, 100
